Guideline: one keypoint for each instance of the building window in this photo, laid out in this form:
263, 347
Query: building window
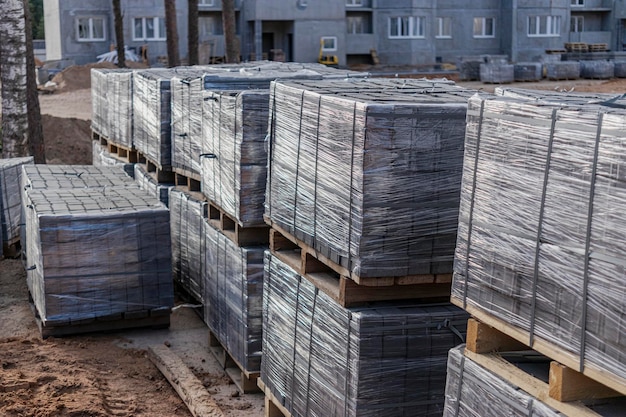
577, 24
90, 29
355, 24
206, 2
329, 43
444, 27
148, 29
578, 3
406, 27
484, 27
354, 3
544, 25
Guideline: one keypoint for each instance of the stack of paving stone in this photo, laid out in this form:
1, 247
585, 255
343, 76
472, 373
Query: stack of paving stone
11, 203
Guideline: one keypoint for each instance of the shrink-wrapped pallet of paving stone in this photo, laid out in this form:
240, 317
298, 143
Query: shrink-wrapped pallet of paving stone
539, 245
148, 183
368, 172
379, 359
562, 70
597, 69
11, 198
497, 73
528, 71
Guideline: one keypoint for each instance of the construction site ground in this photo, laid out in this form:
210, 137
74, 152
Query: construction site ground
110, 374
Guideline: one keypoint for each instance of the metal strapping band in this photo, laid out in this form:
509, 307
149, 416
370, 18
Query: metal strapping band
296, 182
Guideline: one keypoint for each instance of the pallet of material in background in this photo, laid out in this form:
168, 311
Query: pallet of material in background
233, 305
11, 204
519, 384
540, 251
98, 259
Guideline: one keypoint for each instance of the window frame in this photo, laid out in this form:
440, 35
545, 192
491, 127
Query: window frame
483, 20
91, 37
414, 22
580, 24
206, 3
354, 3
157, 29
440, 26
577, 3
552, 23
323, 43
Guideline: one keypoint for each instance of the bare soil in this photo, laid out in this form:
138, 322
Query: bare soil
109, 374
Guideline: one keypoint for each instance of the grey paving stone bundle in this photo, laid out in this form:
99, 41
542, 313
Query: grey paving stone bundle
599, 69
234, 170
469, 68
540, 245
187, 216
233, 300
368, 171
147, 183
560, 97
11, 197
562, 70
97, 252
619, 68
498, 73
382, 359
528, 71
472, 390
99, 104
120, 103
56, 177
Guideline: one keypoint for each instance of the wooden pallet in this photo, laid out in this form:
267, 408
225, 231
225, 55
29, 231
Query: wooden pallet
156, 319
161, 174
486, 334
576, 47
598, 47
12, 248
187, 180
241, 236
273, 407
245, 381
335, 280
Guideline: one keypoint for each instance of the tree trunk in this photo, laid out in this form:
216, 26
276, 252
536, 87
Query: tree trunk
230, 31
171, 29
192, 27
13, 79
119, 34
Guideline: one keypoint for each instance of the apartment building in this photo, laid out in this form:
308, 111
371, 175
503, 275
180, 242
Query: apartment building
401, 32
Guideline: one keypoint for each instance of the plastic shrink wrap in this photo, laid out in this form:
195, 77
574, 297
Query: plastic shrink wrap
497, 73
233, 300
11, 198
540, 243
147, 183
187, 215
562, 70
619, 69
472, 390
99, 105
528, 71
600, 69
97, 252
368, 171
120, 103
383, 359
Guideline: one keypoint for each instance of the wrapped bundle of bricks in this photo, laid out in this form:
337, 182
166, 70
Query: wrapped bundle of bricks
619, 69
540, 251
528, 71
97, 258
497, 73
99, 104
382, 359
469, 68
187, 216
11, 204
562, 70
598, 69
559, 98
233, 300
112, 95
367, 172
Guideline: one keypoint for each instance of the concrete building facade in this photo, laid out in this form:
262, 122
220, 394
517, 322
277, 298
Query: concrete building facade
398, 32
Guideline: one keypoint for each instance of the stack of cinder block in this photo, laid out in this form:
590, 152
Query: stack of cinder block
362, 194
97, 250
539, 259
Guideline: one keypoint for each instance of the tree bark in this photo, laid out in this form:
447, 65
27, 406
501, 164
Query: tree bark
173, 56
230, 31
119, 34
13, 79
192, 27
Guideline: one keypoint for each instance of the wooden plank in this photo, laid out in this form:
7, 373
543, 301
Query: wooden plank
244, 380
545, 347
197, 399
273, 407
533, 386
569, 385
238, 234
482, 338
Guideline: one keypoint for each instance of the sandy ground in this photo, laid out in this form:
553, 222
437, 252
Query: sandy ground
109, 374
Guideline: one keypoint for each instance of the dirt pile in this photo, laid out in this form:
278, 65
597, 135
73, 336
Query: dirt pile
78, 77
67, 140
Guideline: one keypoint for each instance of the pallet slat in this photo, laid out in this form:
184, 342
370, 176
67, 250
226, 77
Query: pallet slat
244, 380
